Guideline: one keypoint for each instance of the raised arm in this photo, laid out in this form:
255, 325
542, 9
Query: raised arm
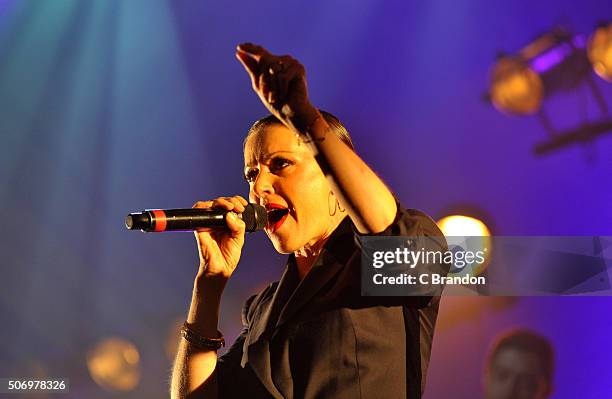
280, 83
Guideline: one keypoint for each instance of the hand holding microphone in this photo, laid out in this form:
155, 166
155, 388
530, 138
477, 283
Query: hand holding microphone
219, 226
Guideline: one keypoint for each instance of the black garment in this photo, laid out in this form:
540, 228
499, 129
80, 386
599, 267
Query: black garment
320, 338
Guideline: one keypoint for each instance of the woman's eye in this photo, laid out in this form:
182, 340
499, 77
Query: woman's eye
251, 175
279, 163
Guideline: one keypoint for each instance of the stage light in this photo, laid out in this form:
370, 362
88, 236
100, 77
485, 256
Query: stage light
599, 50
460, 225
552, 62
469, 234
516, 88
557, 61
114, 364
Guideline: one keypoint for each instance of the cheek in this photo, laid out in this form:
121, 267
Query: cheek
311, 193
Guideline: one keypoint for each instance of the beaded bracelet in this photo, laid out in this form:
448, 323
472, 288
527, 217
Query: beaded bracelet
201, 342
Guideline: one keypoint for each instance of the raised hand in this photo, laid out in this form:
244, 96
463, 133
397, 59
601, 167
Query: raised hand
280, 83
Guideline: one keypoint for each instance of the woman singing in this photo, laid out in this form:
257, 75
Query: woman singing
311, 334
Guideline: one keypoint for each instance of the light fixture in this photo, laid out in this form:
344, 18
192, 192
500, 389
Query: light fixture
599, 50
461, 225
465, 229
555, 62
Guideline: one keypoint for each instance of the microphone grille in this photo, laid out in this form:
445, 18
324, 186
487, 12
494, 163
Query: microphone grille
255, 217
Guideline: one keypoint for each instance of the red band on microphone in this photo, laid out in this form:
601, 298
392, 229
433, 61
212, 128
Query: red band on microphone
160, 220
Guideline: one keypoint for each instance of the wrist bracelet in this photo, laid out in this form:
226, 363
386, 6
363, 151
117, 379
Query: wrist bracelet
201, 342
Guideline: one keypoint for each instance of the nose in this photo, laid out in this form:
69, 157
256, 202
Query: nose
263, 185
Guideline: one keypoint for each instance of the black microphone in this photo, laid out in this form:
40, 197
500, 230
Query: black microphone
158, 220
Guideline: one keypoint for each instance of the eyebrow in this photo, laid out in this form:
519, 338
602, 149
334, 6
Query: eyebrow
270, 155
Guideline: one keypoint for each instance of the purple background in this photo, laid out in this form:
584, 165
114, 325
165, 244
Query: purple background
109, 107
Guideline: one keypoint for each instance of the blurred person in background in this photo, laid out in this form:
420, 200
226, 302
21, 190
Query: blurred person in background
520, 365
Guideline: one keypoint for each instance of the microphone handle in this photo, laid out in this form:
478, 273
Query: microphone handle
158, 220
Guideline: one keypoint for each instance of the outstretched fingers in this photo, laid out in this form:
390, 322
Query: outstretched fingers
260, 64
250, 65
253, 50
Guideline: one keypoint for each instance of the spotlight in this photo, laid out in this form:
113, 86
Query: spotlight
460, 225
516, 88
599, 50
114, 364
465, 229
555, 62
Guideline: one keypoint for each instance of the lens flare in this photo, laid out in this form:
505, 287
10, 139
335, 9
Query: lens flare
114, 364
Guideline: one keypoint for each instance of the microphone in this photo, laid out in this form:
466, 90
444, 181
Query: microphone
157, 220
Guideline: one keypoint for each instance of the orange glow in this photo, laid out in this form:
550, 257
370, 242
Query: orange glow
515, 88
455, 227
114, 364
459, 225
599, 51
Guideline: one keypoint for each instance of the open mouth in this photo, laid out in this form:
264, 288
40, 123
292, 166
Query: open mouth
276, 216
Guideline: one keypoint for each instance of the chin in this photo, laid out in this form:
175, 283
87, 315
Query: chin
283, 246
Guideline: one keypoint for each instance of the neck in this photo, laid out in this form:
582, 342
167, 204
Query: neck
306, 256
